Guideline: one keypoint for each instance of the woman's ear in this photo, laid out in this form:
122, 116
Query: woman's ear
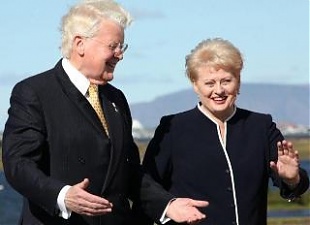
195, 87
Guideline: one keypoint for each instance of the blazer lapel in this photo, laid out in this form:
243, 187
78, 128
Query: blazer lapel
112, 114
115, 124
77, 98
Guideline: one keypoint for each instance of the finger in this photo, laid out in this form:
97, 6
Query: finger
288, 145
280, 148
92, 209
98, 210
193, 222
195, 219
297, 156
98, 206
290, 149
285, 147
273, 166
280, 145
292, 154
196, 214
81, 201
94, 199
284, 142
199, 203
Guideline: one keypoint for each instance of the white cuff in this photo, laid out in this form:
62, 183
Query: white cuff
64, 212
164, 219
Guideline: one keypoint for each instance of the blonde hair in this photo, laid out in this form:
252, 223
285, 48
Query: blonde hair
85, 18
215, 53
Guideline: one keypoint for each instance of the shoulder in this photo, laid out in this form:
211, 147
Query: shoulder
252, 115
112, 92
180, 118
35, 85
253, 121
41, 80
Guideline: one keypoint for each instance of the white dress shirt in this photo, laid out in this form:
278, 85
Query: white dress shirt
82, 84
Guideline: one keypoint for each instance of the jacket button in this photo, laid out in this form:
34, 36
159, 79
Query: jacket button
81, 160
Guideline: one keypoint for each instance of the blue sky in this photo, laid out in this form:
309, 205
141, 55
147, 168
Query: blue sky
273, 36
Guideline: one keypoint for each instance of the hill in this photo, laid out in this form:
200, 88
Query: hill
286, 103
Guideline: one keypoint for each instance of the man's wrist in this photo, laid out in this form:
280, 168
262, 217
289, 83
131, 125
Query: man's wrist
64, 212
164, 218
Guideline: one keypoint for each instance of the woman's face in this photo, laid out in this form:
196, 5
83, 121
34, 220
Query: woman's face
99, 57
217, 91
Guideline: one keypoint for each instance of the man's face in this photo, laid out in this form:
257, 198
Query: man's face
102, 52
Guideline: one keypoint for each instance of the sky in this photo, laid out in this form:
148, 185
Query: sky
273, 36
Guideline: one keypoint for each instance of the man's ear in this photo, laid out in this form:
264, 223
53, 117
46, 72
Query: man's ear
79, 45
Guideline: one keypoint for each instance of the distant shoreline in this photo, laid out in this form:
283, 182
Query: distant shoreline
301, 143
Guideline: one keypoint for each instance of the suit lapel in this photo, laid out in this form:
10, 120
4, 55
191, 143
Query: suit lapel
111, 111
115, 124
77, 98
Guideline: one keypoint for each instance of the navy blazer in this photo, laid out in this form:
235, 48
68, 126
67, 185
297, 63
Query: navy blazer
53, 138
187, 157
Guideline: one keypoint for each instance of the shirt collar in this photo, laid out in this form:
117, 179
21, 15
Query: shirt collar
76, 77
208, 115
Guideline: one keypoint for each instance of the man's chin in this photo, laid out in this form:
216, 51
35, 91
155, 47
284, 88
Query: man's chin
107, 77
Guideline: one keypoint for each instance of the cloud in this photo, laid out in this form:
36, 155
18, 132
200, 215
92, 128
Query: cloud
142, 14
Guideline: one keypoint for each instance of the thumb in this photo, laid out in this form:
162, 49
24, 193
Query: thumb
84, 184
273, 166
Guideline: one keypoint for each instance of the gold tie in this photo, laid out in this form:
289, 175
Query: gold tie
94, 101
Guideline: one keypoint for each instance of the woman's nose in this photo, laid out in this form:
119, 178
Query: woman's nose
218, 88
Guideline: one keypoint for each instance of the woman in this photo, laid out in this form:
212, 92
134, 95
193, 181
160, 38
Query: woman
218, 152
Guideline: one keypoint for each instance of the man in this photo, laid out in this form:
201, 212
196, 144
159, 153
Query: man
67, 144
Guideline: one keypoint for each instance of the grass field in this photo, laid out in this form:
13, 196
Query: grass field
300, 144
290, 221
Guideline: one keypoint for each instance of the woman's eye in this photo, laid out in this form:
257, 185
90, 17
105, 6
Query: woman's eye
226, 82
209, 84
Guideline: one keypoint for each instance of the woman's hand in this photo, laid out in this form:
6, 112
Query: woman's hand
287, 166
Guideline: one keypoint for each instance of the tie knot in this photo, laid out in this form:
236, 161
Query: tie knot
93, 88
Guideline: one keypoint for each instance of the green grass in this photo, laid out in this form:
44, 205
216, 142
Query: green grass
303, 147
289, 221
275, 202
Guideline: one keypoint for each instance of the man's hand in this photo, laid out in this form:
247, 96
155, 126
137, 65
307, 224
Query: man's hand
80, 201
184, 210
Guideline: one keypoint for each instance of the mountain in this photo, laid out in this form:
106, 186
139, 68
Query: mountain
286, 103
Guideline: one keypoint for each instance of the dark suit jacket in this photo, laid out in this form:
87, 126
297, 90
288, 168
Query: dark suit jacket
53, 138
188, 159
